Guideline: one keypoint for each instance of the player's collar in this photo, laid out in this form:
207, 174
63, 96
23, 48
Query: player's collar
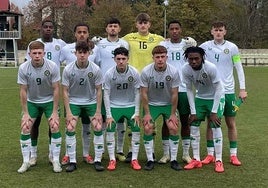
81, 67
221, 43
113, 41
122, 72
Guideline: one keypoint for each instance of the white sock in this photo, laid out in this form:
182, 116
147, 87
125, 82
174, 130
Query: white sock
71, 147
195, 142
173, 145
25, 146
186, 146
217, 139
120, 127
135, 144
110, 142
165, 145
98, 147
85, 139
149, 149
55, 148
233, 151
33, 151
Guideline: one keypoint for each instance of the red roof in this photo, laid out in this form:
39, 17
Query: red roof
4, 5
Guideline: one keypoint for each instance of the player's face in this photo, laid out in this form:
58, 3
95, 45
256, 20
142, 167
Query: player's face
37, 56
174, 31
81, 33
47, 30
82, 57
121, 62
218, 33
143, 27
160, 61
113, 29
195, 60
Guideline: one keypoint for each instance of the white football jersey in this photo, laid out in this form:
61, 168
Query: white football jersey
159, 84
176, 58
224, 56
106, 49
202, 80
82, 83
122, 86
39, 80
52, 50
68, 54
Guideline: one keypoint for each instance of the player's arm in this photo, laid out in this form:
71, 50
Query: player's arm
174, 102
26, 121
66, 101
106, 99
145, 102
54, 119
241, 78
99, 100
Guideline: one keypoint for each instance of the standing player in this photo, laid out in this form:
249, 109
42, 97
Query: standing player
106, 49
175, 47
225, 56
53, 48
141, 44
81, 33
122, 100
159, 92
82, 81
206, 99
39, 93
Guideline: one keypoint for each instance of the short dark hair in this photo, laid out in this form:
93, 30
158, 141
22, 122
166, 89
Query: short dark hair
194, 49
81, 24
47, 20
143, 17
82, 46
121, 51
218, 24
159, 50
174, 22
112, 20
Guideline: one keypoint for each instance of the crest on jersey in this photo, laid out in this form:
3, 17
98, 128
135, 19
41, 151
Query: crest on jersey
204, 75
226, 51
168, 78
130, 78
47, 73
151, 39
90, 74
73, 74
57, 48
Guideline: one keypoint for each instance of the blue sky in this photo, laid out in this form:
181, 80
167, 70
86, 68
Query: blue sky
20, 3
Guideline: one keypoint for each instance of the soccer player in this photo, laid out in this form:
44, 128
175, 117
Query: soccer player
106, 49
82, 82
159, 93
81, 33
175, 47
141, 44
225, 55
122, 100
206, 98
39, 93
53, 48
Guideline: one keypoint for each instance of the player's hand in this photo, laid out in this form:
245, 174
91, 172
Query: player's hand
190, 42
109, 122
70, 122
136, 119
26, 123
174, 119
243, 94
147, 119
214, 119
54, 122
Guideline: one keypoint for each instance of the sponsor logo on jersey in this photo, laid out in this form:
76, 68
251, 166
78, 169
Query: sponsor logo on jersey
90, 74
168, 78
130, 78
47, 73
226, 51
103, 46
57, 48
73, 74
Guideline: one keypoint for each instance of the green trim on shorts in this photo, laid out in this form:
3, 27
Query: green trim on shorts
86, 110
156, 111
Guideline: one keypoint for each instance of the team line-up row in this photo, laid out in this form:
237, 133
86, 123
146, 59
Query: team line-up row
121, 72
